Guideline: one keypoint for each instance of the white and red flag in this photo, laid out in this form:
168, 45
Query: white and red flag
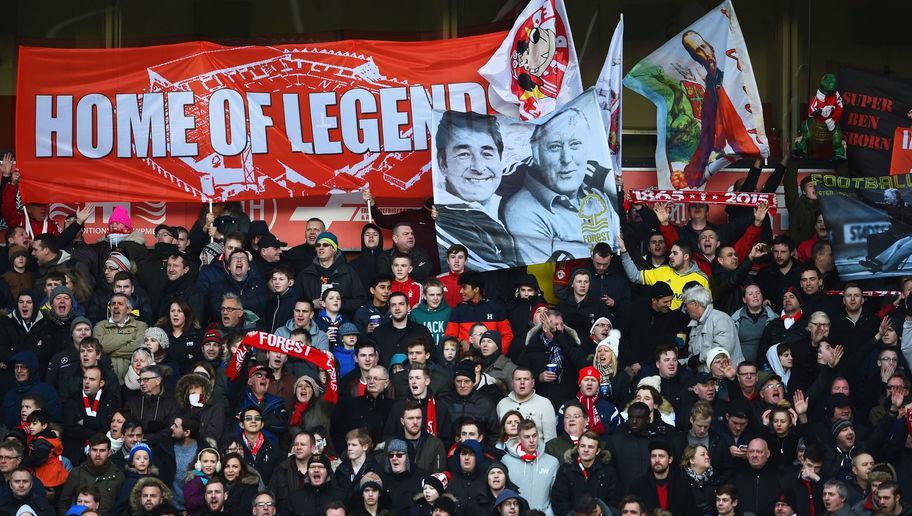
535, 69
608, 88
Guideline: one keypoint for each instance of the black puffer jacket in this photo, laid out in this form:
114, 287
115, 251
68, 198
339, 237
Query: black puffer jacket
479, 407
342, 277
600, 481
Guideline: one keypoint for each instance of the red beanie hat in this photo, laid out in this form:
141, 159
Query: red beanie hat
588, 371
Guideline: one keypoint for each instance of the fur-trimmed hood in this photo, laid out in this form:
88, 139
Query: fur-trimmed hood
153, 471
135, 505
249, 479
571, 455
419, 497
182, 390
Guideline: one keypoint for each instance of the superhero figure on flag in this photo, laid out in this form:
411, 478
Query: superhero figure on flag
720, 124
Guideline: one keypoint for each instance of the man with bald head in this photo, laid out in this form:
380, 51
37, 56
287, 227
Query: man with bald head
758, 482
859, 488
720, 124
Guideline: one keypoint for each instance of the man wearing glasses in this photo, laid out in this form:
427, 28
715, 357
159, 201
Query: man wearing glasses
272, 411
260, 452
247, 286
264, 504
331, 270
771, 393
403, 478
369, 411
804, 350
155, 408
231, 313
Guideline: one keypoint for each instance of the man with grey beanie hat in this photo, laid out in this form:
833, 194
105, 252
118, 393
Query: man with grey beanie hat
402, 479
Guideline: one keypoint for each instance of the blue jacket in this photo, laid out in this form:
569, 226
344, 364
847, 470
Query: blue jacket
345, 358
13, 398
275, 415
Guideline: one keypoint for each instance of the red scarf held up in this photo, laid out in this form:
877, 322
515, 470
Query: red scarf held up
431, 424
593, 418
269, 342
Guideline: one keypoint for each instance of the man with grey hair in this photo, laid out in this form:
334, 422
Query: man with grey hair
120, 334
804, 349
709, 328
155, 408
563, 208
834, 499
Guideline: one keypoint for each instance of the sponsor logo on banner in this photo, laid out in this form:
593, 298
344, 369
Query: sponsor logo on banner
858, 232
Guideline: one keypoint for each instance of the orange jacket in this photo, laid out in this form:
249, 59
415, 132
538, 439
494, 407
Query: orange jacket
51, 472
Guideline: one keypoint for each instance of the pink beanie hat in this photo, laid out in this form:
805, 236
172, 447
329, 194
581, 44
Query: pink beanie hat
120, 215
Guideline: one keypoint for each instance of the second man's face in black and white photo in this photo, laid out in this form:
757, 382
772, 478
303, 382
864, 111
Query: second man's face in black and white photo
560, 152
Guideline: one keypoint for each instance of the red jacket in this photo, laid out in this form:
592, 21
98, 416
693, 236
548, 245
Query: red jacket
467, 314
451, 288
742, 247
14, 216
410, 288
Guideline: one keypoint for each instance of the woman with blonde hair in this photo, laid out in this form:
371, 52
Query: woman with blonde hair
698, 471
141, 357
605, 359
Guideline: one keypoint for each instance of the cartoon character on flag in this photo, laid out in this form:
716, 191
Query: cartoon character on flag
708, 107
535, 70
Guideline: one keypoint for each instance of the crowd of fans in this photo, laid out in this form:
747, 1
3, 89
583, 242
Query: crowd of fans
702, 369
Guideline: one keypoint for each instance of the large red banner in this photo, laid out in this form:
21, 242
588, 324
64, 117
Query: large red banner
199, 121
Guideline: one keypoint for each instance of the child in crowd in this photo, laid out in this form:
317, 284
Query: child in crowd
448, 351
330, 318
44, 451
402, 280
18, 278
358, 462
344, 351
30, 403
281, 303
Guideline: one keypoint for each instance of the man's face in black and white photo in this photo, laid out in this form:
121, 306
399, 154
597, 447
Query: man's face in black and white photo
560, 151
471, 165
